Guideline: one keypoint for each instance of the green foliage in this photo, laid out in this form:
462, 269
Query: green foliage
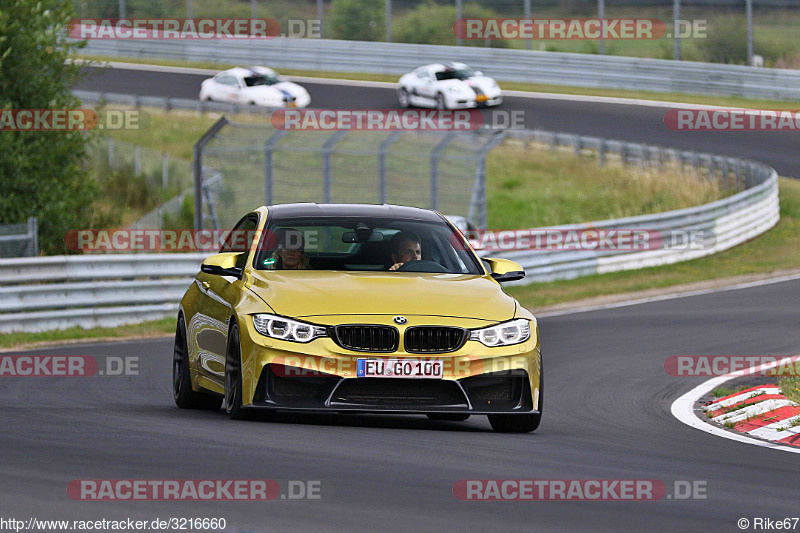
41, 172
357, 20
431, 23
726, 41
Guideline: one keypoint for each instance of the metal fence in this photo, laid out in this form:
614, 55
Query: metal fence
144, 181
19, 240
59, 292
258, 164
558, 68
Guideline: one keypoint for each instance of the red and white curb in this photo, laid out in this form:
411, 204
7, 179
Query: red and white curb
761, 430
761, 412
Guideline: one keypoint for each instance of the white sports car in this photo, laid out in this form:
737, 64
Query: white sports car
448, 86
259, 86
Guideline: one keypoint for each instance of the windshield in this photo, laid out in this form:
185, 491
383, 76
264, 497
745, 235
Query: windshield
260, 79
364, 244
455, 74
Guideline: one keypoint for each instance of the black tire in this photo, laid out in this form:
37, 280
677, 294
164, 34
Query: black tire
449, 417
185, 397
233, 376
402, 97
520, 423
440, 101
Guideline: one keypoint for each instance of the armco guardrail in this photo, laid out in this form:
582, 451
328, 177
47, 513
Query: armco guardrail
92, 290
724, 223
581, 70
107, 290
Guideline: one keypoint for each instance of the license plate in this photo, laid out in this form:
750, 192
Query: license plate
400, 368
481, 98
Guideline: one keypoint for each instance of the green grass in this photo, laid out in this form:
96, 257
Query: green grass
778, 249
725, 101
720, 392
145, 329
532, 188
790, 387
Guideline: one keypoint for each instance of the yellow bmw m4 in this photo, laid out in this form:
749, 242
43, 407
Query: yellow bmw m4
357, 308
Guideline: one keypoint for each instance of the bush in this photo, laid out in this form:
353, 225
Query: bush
433, 24
42, 172
726, 41
356, 20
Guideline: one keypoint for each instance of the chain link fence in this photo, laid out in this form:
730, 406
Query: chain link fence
152, 189
248, 165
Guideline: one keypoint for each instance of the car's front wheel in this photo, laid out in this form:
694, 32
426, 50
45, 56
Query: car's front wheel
233, 376
520, 423
402, 97
185, 397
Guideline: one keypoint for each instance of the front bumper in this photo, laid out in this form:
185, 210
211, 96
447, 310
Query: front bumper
321, 376
494, 393
474, 102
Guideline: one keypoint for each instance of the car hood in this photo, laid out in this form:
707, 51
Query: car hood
481, 82
317, 293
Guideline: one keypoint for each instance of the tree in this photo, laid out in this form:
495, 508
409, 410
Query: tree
41, 172
357, 20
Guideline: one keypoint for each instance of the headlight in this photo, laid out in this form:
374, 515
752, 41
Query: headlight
285, 329
505, 334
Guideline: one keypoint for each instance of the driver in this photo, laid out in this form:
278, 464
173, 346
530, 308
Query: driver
405, 247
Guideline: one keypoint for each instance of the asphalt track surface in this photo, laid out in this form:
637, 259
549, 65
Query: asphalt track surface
606, 416
633, 123
607, 409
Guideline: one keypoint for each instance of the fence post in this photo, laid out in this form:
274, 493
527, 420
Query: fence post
197, 169
111, 152
269, 147
327, 179
33, 232
137, 167
601, 153
164, 170
478, 200
435, 153
383, 192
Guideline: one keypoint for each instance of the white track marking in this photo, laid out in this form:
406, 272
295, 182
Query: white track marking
684, 410
741, 397
740, 415
771, 431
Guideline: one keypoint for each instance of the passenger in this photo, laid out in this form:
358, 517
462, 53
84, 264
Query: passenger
289, 253
405, 247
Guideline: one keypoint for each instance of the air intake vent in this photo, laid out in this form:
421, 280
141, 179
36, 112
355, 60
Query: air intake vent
367, 338
434, 339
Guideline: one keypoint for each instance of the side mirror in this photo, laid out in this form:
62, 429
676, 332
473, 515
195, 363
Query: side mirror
222, 264
504, 270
